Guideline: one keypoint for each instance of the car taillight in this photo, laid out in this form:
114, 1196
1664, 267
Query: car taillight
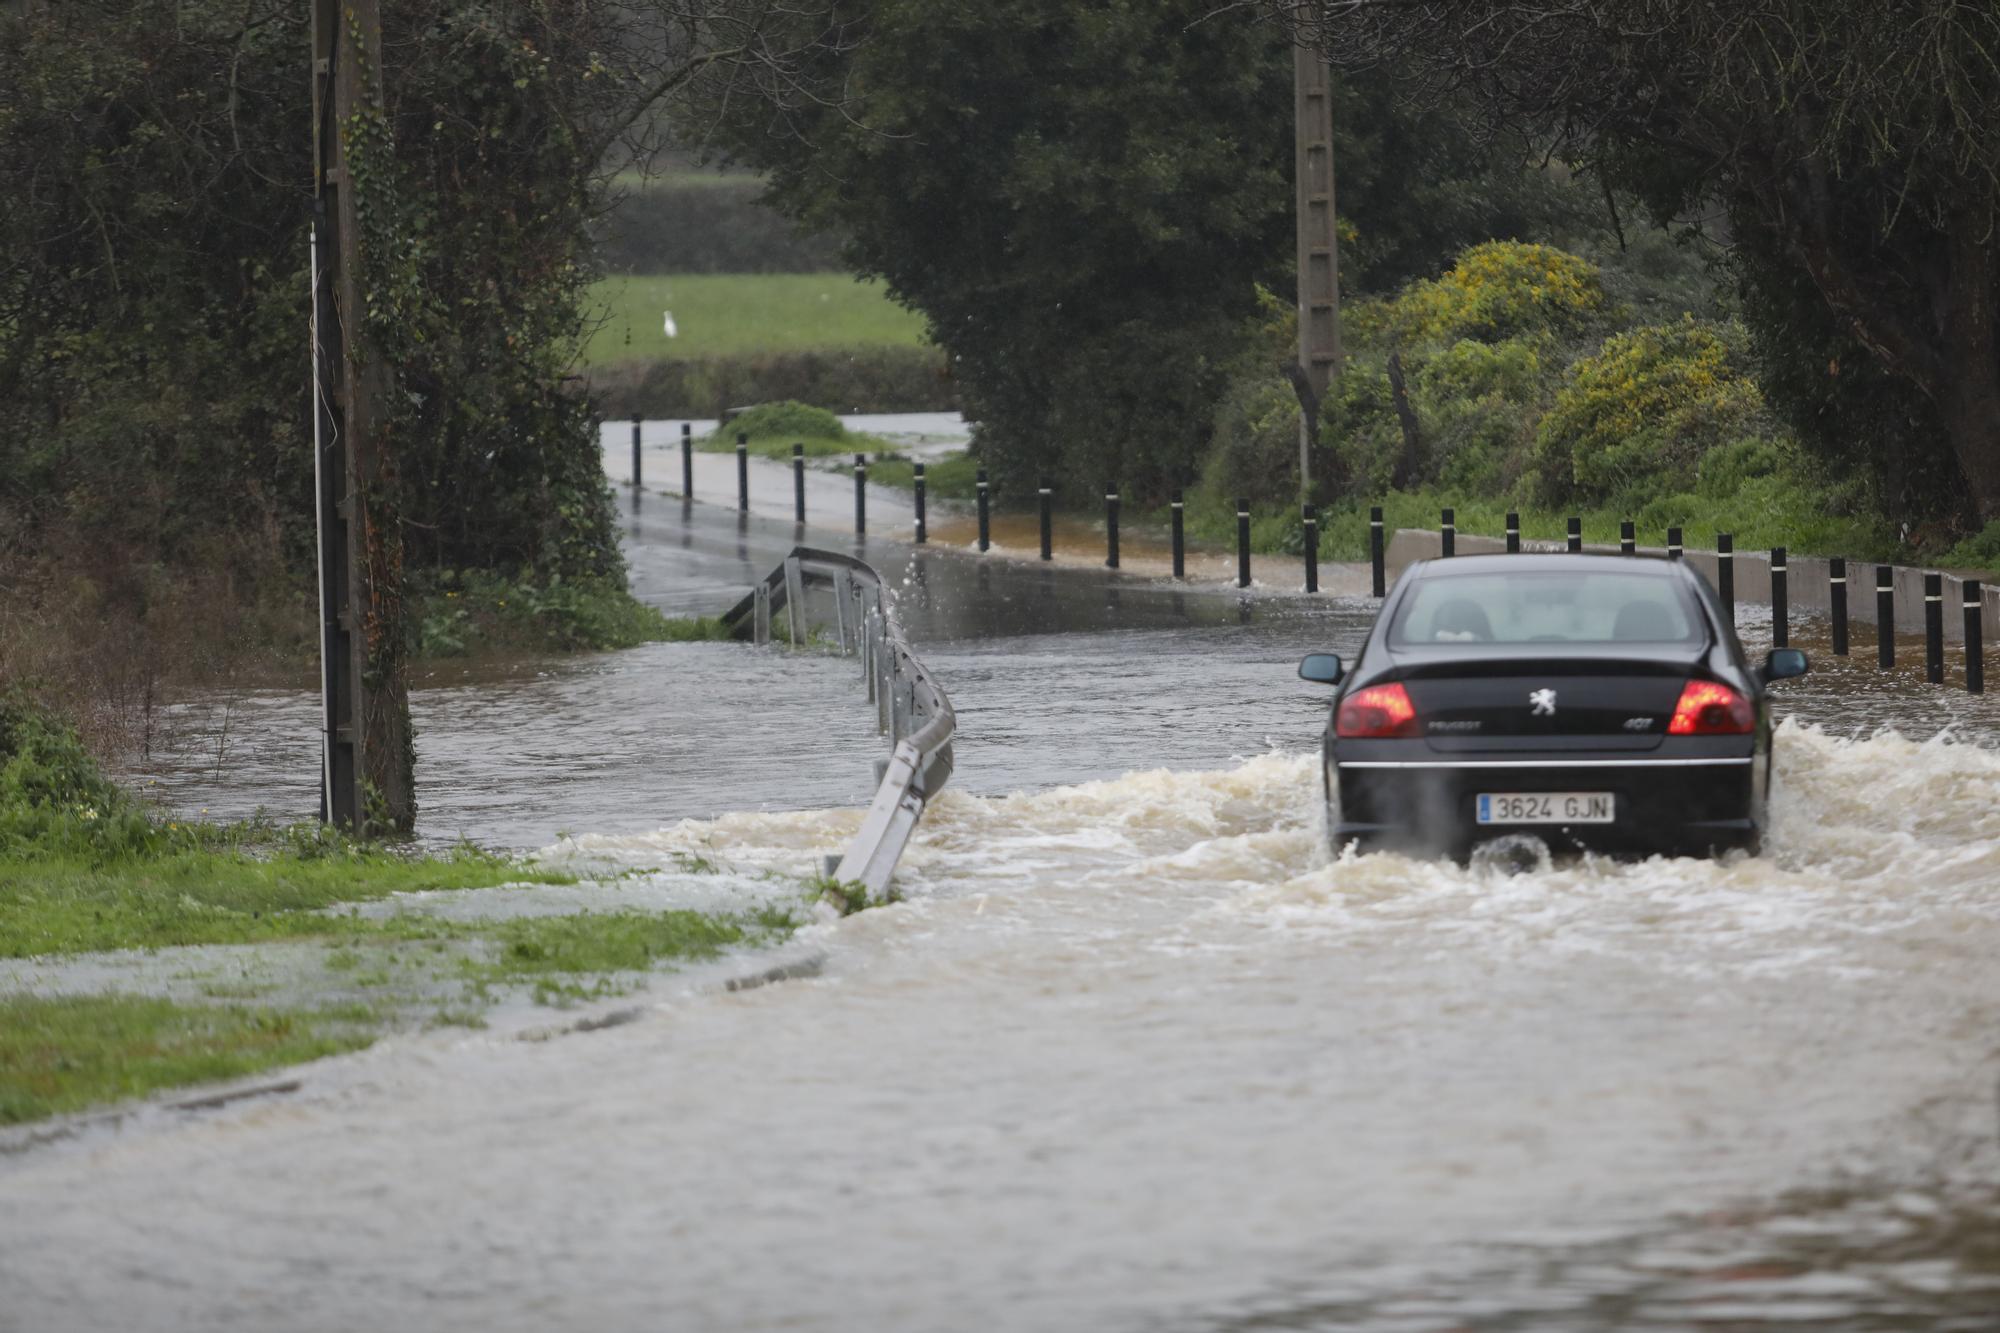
1710, 708
1378, 712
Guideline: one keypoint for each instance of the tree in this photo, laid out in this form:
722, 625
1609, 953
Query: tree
155, 159
1083, 200
1853, 147
1083, 234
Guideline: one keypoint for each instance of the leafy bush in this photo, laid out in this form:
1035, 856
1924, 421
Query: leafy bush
788, 418
1478, 348
1478, 404
1358, 424
52, 793
1725, 470
1499, 290
42, 763
1979, 551
1637, 417
463, 613
1510, 370
1257, 441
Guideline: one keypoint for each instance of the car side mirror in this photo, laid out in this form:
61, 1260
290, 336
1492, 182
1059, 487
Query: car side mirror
1322, 668
1784, 663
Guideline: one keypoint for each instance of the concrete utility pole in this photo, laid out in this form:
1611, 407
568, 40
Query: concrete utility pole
333, 475
366, 728
1319, 253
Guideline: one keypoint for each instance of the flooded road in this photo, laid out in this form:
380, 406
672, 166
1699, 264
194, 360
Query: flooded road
1058, 674
1136, 1053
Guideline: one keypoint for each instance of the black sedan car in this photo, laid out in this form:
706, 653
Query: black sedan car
1595, 702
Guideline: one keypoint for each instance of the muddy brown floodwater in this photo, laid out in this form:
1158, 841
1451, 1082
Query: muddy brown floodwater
1136, 1053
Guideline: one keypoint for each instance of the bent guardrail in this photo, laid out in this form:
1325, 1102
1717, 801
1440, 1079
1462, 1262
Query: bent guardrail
912, 709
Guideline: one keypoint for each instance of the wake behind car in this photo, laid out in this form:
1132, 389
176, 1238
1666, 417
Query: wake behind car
1595, 702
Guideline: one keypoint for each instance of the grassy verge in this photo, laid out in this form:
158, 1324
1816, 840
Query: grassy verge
769, 430
69, 896
779, 446
63, 1054
580, 956
470, 613
954, 477
67, 1053
773, 428
84, 869
722, 314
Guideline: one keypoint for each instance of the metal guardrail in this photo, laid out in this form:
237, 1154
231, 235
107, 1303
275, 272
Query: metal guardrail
911, 707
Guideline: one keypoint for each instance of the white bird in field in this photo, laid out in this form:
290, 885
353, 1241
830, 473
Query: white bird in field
673, 330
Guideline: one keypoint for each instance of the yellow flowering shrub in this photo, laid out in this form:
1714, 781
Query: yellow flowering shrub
1639, 415
1498, 290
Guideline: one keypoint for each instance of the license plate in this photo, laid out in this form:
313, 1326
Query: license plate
1545, 807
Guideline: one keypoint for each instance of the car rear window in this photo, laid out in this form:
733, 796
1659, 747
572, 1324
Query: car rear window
1571, 606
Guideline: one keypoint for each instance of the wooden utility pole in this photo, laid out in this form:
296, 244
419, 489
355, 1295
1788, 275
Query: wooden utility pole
1319, 252
367, 728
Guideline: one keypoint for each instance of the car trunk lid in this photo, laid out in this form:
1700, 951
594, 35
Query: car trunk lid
1584, 700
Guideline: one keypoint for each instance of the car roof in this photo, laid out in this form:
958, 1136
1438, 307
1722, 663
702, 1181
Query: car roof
1538, 562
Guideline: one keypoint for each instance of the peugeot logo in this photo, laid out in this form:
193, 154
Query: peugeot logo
1542, 703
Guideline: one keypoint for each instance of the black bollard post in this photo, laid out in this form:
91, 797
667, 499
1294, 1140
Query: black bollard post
799, 483
742, 470
1576, 534
1312, 548
1934, 628
1048, 519
1836, 587
1725, 574
923, 534
1975, 646
985, 514
1885, 616
1376, 582
687, 461
1674, 548
1513, 533
1110, 526
1781, 628
1242, 542
1628, 538
861, 495
1448, 534
635, 453
1180, 539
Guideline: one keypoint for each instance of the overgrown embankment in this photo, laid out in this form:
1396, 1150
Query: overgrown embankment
1531, 379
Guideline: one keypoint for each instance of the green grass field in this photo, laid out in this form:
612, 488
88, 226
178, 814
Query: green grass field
722, 314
